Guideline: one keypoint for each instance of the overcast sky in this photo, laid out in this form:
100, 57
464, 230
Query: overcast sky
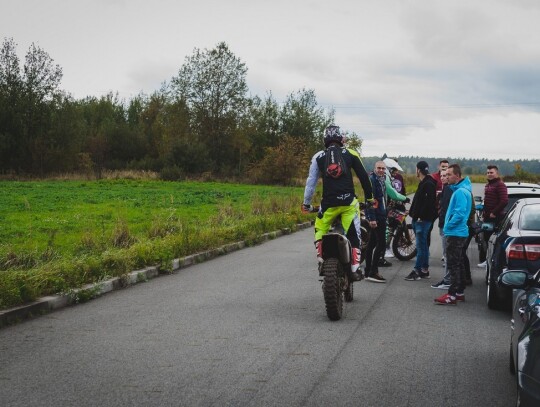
431, 78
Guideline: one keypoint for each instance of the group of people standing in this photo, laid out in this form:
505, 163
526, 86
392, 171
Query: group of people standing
444, 195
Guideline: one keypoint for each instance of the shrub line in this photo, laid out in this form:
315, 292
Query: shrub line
87, 292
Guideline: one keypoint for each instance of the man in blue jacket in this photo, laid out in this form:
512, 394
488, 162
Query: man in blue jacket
456, 231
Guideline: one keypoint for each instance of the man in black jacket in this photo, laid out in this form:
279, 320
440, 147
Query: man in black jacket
423, 212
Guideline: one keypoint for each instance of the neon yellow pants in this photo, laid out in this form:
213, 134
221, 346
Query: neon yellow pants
349, 215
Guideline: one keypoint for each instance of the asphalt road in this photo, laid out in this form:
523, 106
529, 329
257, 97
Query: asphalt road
250, 329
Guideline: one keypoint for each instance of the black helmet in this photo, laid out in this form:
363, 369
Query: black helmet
332, 134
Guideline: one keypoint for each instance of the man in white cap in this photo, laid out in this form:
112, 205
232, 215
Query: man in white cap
395, 187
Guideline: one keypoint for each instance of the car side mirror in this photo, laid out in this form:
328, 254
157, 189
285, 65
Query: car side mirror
517, 279
488, 227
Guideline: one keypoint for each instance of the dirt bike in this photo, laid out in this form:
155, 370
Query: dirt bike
479, 229
335, 270
402, 233
365, 231
479, 236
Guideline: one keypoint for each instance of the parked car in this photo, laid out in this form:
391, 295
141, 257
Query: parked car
514, 245
516, 190
525, 334
519, 190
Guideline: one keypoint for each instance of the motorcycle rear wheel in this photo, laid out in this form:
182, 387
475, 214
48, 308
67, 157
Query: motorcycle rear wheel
348, 293
333, 294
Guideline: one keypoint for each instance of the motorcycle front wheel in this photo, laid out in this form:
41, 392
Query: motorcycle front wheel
404, 243
333, 294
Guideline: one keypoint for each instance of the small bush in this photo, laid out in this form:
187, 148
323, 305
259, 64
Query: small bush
88, 243
283, 164
172, 173
121, 237
160, 228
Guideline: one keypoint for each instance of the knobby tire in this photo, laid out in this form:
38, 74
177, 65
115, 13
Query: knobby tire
349, 291
404, 243
333, 295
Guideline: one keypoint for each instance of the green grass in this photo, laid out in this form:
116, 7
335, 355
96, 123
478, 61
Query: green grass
58, 235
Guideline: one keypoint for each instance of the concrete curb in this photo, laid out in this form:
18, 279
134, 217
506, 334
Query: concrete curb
51, 303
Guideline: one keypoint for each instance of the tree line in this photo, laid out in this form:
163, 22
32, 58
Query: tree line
200, 121
469, 166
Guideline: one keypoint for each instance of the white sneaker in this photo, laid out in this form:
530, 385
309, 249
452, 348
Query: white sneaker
482, 265
389, 253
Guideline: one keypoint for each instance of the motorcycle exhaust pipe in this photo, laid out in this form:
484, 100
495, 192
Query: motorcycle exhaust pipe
344, 249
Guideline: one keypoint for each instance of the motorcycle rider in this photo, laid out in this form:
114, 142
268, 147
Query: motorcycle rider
334, 165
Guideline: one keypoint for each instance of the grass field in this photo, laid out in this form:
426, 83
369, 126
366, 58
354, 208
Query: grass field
58, 235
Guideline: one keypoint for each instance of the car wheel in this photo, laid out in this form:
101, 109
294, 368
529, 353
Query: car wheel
493, 299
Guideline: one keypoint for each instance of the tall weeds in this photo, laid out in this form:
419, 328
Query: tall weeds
101, 251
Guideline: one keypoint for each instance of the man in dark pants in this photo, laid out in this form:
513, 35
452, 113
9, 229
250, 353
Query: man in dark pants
443, 200
443, 166
377, 221
423, 212
456, 231
495, 200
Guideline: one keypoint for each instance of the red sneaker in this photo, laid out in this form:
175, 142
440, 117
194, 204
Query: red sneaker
446, 299
460, 297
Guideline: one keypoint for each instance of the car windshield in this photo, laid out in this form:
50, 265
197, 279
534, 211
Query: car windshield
530, 217
512, 198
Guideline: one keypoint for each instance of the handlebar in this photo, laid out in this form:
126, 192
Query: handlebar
309, 208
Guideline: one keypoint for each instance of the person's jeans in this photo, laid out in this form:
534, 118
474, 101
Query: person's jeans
422, 229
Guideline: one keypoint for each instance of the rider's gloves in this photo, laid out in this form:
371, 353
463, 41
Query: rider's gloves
372, 203
306, 208
407, 200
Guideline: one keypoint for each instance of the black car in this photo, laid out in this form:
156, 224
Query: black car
516, 190
520, 190
514, 245
525, 334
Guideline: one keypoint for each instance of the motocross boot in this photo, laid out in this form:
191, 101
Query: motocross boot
318, 248
355, 264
